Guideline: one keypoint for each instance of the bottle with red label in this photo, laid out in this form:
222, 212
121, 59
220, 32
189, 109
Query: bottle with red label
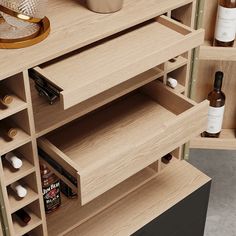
51, 189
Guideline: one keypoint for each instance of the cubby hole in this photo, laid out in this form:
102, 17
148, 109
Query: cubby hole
25, 154
183, 14
176, 155
14, 131
179, 75
38, 231
30, 184
176, 62
33, 210
13, 90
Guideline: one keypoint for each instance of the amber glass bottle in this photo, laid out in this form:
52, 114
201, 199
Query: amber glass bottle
216, 109
225, 23
51, 189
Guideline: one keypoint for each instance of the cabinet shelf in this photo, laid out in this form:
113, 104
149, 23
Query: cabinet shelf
17, 203
209, 52
173, 161
179, 62
227, 141
139, 207
21, 138
23, 229
16, 106
12, 175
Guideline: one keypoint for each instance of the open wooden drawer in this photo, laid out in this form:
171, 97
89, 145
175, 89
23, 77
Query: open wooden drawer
90, 71
106, 147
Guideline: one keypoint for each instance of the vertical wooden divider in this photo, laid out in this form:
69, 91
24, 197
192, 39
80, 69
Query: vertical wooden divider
35, 150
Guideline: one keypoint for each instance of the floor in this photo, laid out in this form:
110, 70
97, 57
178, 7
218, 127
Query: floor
221, 166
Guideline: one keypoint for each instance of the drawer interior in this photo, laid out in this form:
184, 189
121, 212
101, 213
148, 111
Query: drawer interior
90, 71
107, 146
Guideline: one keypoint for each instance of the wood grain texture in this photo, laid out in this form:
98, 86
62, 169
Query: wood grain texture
20, 229
17, 203
108, 143
212, 59
70, 208
48, 118
11, 175
208, 52
73, 26
99, 68
142, 206
227, 140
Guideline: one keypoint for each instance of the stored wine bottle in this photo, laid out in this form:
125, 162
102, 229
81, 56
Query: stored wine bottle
225, 23
7, 130
167, 158
171, 82
5, 98
23, 216
19, 189
15, 161
51, 189
216, 109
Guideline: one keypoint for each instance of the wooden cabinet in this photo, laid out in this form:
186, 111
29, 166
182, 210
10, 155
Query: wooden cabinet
113, 121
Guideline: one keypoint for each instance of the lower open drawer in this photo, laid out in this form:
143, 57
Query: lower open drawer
111, 215
106, 147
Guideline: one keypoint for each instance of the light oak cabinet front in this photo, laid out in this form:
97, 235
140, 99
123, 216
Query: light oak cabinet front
114, 120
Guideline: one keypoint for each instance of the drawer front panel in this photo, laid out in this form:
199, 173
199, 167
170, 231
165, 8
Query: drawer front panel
87, 73
105, 149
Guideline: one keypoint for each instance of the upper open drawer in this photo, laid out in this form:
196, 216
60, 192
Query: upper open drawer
93, 70
104, 148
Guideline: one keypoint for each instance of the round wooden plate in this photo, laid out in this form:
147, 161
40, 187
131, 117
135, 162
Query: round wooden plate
22, 43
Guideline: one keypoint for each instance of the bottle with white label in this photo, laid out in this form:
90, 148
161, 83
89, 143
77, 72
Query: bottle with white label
225, 23
216, 109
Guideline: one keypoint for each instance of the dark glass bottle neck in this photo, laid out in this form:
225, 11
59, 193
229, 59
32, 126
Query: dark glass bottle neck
218, 81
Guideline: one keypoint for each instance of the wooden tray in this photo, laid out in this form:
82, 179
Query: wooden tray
43, 33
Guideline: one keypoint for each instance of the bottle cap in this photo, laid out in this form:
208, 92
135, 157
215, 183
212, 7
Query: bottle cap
14, 160
172, 82
21, 192
12, 133
7, 100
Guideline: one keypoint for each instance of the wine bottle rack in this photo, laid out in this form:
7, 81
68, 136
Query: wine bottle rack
36, 119
18, 115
